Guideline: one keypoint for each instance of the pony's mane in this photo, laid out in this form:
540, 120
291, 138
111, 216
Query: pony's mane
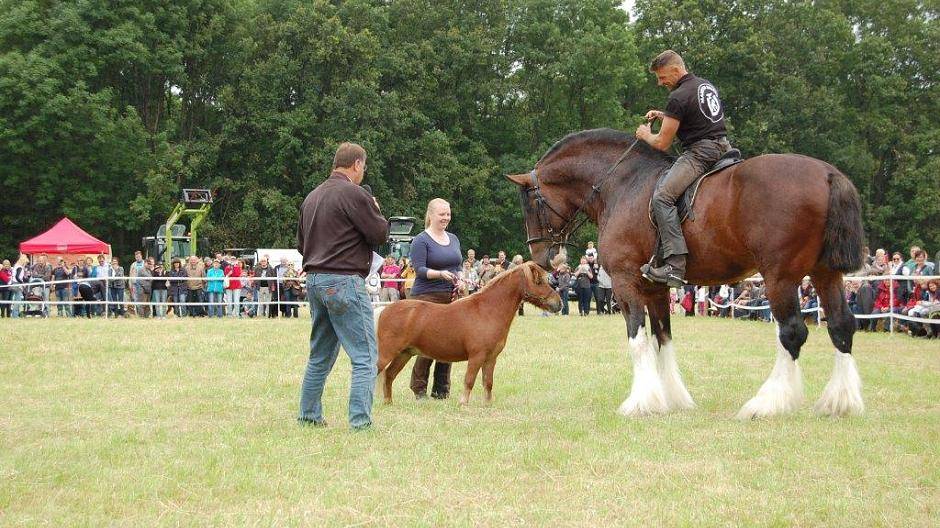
501, 277
494, 281
607, 135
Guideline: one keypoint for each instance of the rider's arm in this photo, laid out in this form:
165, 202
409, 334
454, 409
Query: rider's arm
663, 139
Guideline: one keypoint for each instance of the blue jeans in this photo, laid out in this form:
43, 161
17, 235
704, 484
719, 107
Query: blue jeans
340, 313
116, 298
159, 299
215, 304
17, 298
63, 296
179, 308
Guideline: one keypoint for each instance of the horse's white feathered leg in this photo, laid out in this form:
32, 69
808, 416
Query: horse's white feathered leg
843, 393
677, 396
782, 392
646, 395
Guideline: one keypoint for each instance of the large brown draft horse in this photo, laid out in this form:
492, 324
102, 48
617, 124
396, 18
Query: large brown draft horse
783, 215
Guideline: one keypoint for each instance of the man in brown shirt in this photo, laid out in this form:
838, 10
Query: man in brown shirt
339, 223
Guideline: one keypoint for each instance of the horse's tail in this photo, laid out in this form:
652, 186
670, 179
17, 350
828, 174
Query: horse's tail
843, 237
380, 377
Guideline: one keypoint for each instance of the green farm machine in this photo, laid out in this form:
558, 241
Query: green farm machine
171, 240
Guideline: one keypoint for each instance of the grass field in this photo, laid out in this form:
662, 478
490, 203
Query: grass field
190, 422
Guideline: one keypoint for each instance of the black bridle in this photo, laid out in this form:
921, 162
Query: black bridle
560, 237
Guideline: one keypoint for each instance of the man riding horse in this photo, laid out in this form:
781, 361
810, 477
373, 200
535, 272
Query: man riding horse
695, 114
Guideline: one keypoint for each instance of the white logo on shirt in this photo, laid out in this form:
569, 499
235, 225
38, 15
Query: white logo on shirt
709, 103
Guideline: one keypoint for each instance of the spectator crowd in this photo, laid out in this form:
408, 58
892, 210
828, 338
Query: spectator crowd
227, 286
192, 287
913, 297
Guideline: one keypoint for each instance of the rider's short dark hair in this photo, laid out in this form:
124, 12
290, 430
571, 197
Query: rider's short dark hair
666, 58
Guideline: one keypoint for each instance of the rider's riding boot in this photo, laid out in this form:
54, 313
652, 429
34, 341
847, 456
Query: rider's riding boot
671, 273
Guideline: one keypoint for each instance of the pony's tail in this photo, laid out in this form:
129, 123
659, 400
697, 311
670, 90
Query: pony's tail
842, 239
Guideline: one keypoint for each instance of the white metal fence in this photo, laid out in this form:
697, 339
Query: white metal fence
24, 298
42, 293
890, 315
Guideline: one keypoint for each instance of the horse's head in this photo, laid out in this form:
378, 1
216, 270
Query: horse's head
545, 212
537, 288
565, 183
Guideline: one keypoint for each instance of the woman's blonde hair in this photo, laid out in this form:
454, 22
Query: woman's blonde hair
433, 204
23, 260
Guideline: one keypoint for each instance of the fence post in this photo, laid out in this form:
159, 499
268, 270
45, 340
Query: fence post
891, 305
731, 301
818, 312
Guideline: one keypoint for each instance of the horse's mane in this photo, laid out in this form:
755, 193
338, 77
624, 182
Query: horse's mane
655, 157
501, 277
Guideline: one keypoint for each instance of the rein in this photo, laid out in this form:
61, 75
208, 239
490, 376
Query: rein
572, 224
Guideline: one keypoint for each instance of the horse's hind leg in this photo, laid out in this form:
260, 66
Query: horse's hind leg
783, 391
843, 393
391, 372
677, 396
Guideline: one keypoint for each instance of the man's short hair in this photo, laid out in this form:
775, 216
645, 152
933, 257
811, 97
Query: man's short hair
666, 58
347, 154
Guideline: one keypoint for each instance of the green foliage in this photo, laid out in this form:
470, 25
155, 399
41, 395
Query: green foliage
108, 108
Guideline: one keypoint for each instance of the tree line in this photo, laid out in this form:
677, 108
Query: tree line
109, 108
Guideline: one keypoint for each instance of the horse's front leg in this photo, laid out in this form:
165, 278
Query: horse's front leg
677, 396
489, 366
474, 362
646, 395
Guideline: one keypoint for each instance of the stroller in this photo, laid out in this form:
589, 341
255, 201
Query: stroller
32, 297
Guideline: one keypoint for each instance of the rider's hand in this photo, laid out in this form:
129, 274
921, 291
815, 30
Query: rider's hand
653, 115
643, 131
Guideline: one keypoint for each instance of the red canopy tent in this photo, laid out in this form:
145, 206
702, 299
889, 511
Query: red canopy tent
65, 238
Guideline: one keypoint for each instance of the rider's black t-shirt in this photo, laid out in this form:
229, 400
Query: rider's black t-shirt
695, 104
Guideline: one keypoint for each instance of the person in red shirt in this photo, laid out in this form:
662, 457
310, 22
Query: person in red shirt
390, 270
6, 293
883, 299
233, 291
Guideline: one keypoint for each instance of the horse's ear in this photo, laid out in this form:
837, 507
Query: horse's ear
521, 180
535, 272
527, 271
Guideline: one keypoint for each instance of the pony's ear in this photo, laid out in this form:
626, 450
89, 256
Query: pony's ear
527, 271
535, 272
521, 180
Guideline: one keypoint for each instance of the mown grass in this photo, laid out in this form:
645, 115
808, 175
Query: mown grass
191, 422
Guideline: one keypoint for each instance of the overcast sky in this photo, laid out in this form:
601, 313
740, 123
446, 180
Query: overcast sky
627, 6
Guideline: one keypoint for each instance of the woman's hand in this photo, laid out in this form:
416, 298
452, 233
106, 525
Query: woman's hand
448, 276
